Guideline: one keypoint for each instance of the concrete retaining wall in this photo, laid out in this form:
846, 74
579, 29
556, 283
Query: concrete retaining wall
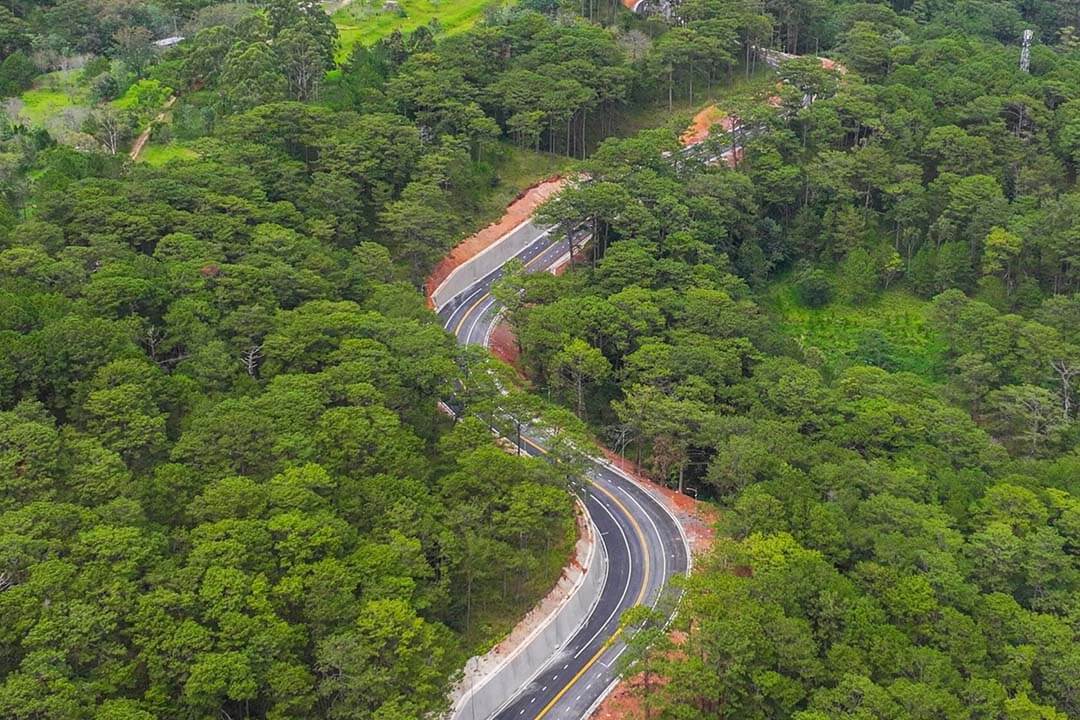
483, 692
485, 262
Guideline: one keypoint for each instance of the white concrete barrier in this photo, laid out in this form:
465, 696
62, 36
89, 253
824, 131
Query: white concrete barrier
486, 261
480, 698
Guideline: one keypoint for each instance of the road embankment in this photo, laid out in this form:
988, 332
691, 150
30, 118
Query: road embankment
486, 250
489, 680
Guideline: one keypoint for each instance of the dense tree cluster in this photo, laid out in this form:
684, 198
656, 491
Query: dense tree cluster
44, 35
898, 551
553, 83
898, 546
225, 486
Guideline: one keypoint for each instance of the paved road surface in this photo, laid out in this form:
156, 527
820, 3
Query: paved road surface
645, 547
644, 544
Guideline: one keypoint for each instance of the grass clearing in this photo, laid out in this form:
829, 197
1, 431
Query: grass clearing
366, 22
842, 331
40, 105
52, 94
158, 155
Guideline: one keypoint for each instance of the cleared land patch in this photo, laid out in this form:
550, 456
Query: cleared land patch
891, 330
367, 22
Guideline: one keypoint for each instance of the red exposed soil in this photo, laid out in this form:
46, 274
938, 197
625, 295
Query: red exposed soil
697, 519
833, 65
523, 207
503, 345
520, 210
702, 124
623, 702
581, 256
734, 157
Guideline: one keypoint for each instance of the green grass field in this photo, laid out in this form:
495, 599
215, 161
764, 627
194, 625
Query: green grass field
158, 155
40, 105
365, 22
52, 94
840, 331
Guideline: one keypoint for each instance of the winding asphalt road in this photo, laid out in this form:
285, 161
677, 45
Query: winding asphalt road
645, 545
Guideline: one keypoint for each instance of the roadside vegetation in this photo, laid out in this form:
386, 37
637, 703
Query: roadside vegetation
227, 489
859, 338
892, 330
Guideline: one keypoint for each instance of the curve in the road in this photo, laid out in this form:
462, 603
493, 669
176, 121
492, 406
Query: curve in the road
645, 544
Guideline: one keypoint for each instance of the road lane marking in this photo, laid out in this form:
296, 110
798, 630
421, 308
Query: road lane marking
618, 631
659, 538
488, 293
479, 317
626, 588
611, 662
465, 315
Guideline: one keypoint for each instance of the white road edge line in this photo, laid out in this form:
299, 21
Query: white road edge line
434, 293
626, 588
659, 539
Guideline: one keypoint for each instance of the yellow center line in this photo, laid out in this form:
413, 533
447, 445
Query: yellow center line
641, 596
486, 295
468, 312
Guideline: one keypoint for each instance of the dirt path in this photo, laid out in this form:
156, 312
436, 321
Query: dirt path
144, 136
703, 122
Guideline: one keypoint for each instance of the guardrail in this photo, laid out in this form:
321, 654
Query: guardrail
485, 697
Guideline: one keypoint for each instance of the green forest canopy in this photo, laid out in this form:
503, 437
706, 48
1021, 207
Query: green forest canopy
226, 487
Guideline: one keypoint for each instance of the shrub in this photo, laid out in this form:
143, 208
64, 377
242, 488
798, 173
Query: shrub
814, 288
94, 68
104, 88
17, 73
858, 276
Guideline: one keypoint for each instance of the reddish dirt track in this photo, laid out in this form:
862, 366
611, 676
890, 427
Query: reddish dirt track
703, 123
